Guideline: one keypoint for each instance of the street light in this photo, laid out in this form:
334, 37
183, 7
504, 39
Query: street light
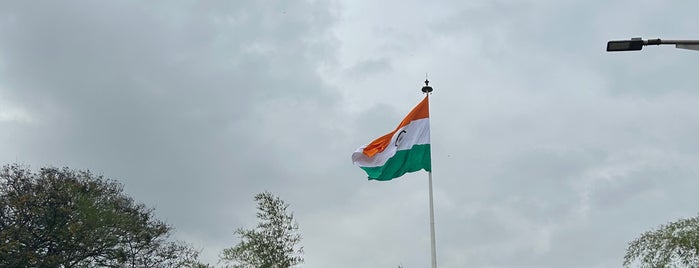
638, 43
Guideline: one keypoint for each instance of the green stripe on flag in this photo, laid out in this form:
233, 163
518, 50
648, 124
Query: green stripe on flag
404, 161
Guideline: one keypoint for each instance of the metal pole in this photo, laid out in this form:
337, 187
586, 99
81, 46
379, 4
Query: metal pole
434, 248
684, 44
427, 89
670, 42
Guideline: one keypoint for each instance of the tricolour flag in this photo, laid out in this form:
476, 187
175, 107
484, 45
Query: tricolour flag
406, 149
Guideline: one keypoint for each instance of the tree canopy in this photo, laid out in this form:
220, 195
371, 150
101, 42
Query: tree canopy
68, 218
675, 244
274, 243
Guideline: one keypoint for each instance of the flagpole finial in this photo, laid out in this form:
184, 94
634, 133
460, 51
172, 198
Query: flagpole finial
427, 88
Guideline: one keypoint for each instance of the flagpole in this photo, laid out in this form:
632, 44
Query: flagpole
432, 242
427, 89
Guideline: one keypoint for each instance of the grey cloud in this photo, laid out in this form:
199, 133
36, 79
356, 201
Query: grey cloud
544, 146
178, 102
370, 67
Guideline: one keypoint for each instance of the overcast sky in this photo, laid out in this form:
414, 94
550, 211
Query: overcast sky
547, 150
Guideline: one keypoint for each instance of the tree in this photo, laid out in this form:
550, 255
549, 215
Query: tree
274, 243
67, 218
675, 244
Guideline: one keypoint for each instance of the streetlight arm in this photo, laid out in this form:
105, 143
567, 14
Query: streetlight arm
670, 42
638, 43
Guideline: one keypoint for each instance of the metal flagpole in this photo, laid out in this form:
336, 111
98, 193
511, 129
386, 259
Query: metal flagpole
427, 89
434, 249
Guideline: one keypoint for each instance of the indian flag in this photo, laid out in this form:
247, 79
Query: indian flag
405, 149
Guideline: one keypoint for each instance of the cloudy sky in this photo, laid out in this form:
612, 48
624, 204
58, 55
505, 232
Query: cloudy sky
547, 150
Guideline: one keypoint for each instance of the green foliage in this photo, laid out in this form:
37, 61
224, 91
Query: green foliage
672, 245
66, 218
273, 243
